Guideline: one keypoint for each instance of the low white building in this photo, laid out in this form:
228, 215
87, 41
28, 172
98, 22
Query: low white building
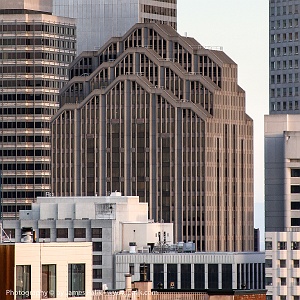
111, 223
46, 270
205, 270
283, 265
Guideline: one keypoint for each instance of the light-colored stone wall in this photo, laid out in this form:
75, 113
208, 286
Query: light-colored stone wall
60, 254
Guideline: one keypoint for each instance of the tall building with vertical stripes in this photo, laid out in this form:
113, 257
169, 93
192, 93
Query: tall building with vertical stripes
35, 50
99, 20
157, 115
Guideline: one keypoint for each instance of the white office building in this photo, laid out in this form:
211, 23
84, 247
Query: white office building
111, 223
282, 201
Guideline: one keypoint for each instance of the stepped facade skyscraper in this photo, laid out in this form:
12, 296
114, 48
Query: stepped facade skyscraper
35, 50
157, 115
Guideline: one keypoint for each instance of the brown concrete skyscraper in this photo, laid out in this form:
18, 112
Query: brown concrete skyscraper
157, 115
35, 50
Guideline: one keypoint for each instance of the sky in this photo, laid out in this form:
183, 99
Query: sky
241, 28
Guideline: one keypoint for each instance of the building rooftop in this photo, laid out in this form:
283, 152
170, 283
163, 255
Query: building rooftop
30, 5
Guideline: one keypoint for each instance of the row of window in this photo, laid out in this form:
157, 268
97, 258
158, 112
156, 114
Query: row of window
62, 44
76, 281
78, 233
37, 55
270, 297
44, 233
34, 69
283, 281
11, 208
26, 180
282, 105
279, 51
27, 97
285, 78
26, 111
284, 37
249, 275
46, 28
158, 10
28, 152
284, 64
166, 1
8, 125
25, 167
285, 92
284, 23
282, 245
9, 83
284, 10
282, 263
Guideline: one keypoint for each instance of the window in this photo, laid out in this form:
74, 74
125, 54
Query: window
97, 246
282, 297
282, 263
295, 172
268, 245
97, 273
97, 260
76, 279
268, 263
10, 232
283, 281
295, 205
296, 263
97, 233
44, 233
97, 285
23, 282
281, 246
269, 281
295, 245
295, 189
131, 269
296, 281
62, 233
79, 233
295, 222
49, 281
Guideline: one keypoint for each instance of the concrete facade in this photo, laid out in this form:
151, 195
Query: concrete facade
111, 223
35, 50
282, 189
282, 160
157, 115
282, 265
206, 271
43, 6
284, 57
36, 257
99, 20
282, 147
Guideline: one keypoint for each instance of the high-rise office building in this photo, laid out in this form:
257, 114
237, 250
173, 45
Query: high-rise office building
35, 50
99, 20
157, 115
284, 57
282, 159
